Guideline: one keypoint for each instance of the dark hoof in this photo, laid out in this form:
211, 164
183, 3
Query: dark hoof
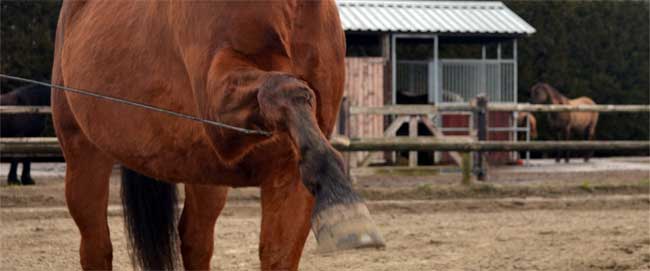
13, 182
27, 181
344, 227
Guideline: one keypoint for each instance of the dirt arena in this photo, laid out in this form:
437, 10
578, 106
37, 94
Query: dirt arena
592, 220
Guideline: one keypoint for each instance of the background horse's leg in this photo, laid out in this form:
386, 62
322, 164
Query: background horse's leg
588, 135
25, 177
286, 213
558, 153
203, 204
12, 177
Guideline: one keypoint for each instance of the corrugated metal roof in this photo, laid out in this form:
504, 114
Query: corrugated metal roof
457, 17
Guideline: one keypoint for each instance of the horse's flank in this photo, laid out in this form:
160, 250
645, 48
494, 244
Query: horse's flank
310, 47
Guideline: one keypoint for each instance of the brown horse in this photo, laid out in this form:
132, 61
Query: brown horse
566, 123
275, 65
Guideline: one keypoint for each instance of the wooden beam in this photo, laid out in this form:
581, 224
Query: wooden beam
430, 143
569, 108
438, 134
413, 133
430, 109
423, 109
30, 147
11, 109
390, 131
49, 145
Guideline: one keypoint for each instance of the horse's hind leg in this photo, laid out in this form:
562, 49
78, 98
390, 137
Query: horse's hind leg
25, 177
86, 187
588, 135
567, 136
286, 213
203, 204
558, 153
12, 177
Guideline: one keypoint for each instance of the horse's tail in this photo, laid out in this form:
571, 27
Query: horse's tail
150, 215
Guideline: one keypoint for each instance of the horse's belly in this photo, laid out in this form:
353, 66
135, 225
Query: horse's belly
581, 120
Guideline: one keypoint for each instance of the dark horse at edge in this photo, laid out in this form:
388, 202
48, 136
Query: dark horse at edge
564, 124
23, 125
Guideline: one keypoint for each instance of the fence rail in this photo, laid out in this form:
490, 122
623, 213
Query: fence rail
11, 109
49, 146
424, 109
433, 144
433, 109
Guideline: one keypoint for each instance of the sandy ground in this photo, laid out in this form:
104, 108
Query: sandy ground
526, 239
551, 232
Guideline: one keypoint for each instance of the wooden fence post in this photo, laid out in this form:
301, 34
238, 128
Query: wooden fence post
344, 129
413, 132
466, 168
481, 116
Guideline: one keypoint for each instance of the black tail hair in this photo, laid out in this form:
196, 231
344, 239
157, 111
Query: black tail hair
150, 215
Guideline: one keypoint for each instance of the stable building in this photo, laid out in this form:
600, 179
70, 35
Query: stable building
430, 52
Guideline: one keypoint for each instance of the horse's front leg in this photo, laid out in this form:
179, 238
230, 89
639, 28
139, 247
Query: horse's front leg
12, 177
558, 153
286, 211
203, 204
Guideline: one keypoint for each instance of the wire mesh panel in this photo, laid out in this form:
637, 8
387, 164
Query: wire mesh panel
412, 77
462, 80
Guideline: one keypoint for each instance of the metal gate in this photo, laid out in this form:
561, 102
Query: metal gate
460, 79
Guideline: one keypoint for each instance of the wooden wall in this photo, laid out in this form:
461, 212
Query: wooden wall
364, 86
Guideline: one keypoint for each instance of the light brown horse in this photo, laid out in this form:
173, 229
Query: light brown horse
274, 65
565, 123
522, 117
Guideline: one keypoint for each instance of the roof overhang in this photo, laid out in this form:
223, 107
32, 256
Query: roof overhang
457, 18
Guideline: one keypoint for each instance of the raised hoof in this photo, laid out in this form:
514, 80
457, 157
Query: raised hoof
344, 227
27, 181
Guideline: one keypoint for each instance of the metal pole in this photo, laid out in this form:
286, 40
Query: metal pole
483, 77
436, 88
482, 123
393, 70
515, 68
528, 138
393, 80
514, 90
436, 81
500, 91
